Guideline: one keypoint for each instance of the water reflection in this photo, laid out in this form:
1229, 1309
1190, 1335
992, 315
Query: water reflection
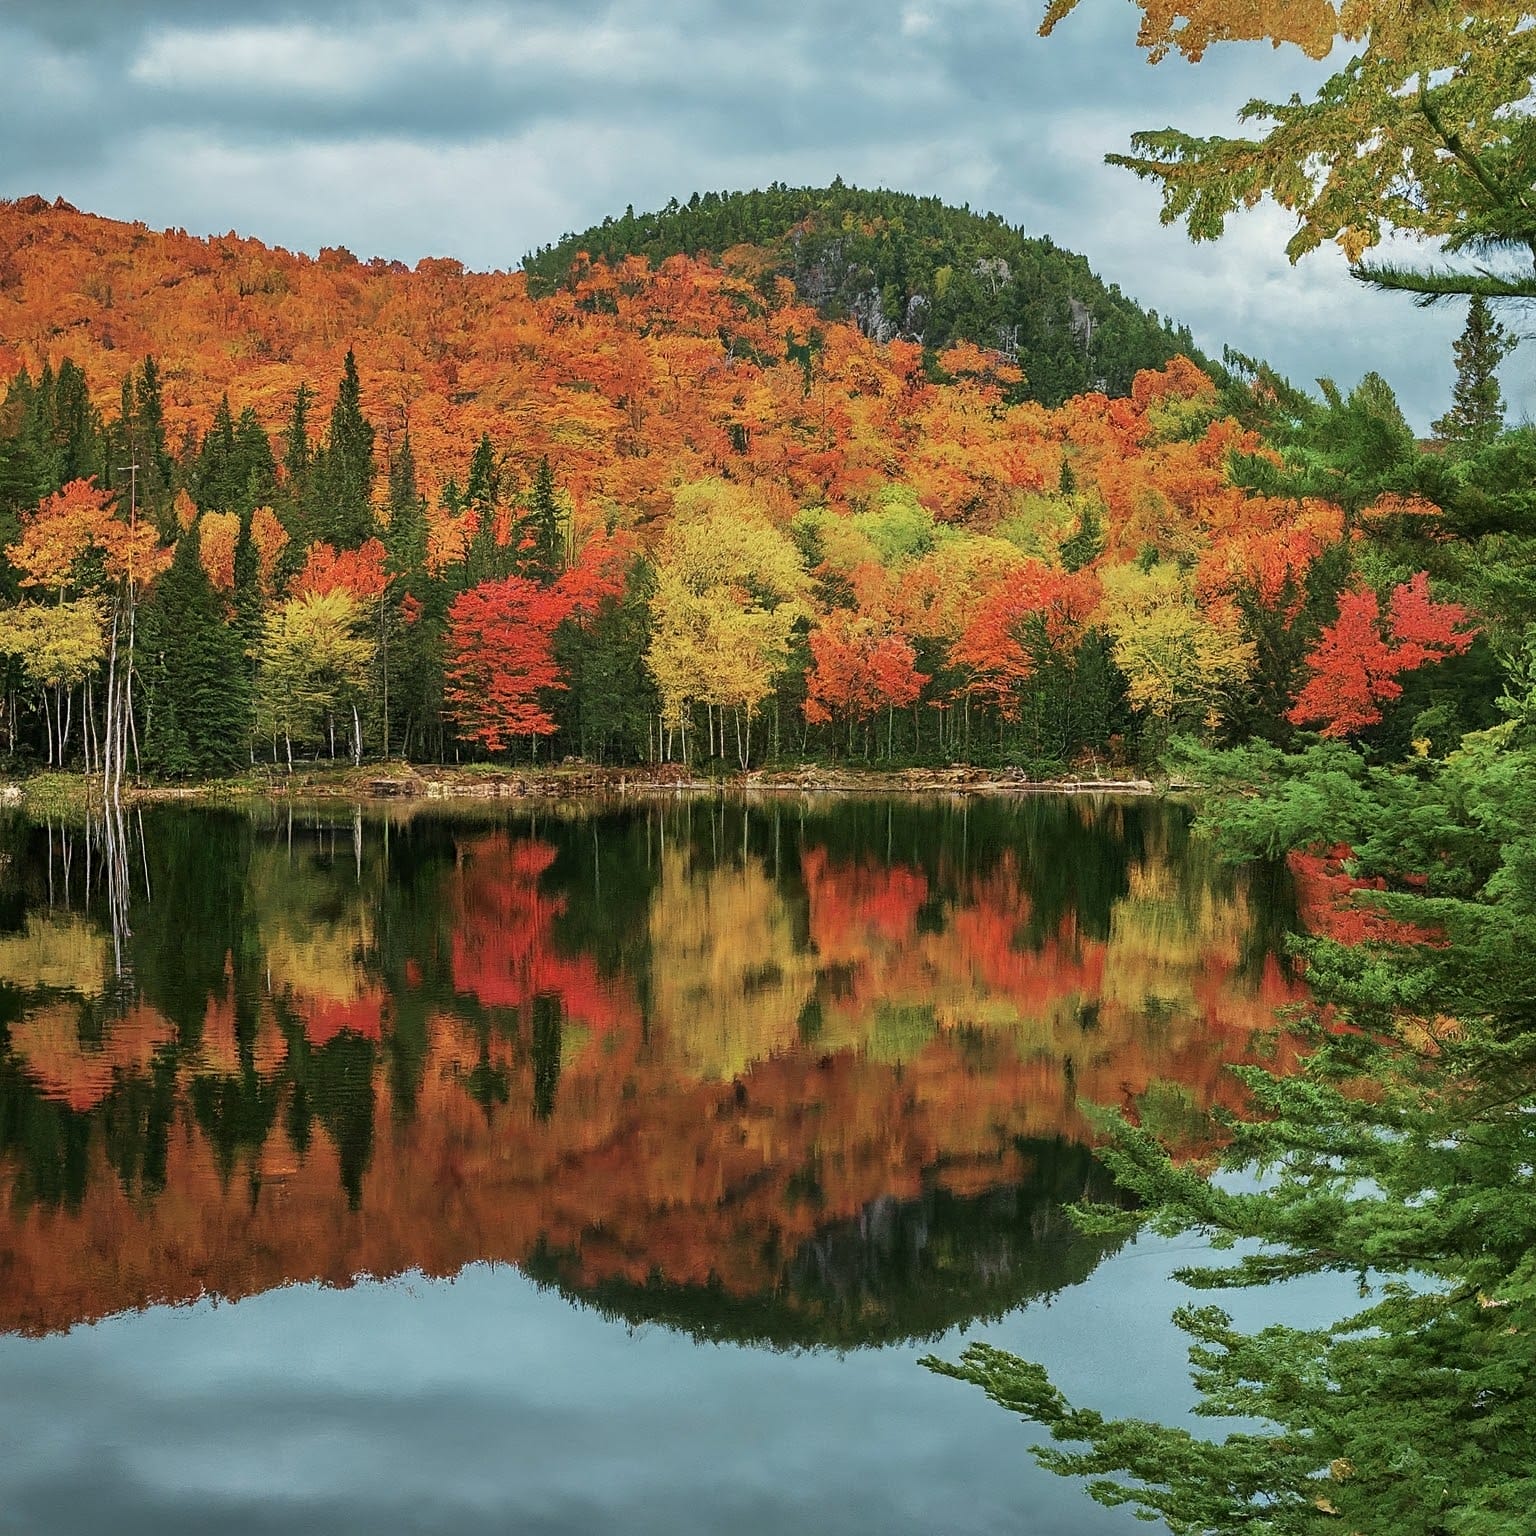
794, 1073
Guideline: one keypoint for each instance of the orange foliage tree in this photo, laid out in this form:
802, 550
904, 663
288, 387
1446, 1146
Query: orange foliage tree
859, 668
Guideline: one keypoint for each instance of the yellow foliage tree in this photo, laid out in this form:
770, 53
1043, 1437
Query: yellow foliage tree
73, 540
1181, 661
60, 646
730, 589
313, 665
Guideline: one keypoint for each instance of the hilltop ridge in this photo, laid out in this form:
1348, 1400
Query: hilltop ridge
900, 266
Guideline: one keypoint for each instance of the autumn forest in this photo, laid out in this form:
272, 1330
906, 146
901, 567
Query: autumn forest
714, 506
708, 506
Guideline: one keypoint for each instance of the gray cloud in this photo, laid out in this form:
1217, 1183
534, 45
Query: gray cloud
486, 128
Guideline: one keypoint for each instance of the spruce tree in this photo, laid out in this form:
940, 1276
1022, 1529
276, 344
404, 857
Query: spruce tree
485, 559
412, 656
608, 709
77, 428
1397, 1160
155, 462
254, 467
24, 452
200, 701
405, 539
137, 453
1476, 415
215, 476
343, 509
298, 466
543, 541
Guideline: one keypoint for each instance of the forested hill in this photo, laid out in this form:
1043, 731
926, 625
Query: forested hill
661, 512
910, 267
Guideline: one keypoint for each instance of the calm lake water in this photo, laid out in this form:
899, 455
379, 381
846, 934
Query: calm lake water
591, 1170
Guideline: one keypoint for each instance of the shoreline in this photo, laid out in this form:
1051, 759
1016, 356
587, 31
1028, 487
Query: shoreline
405, 783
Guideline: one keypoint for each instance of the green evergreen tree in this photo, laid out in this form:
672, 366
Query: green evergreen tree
1086, 542
1411, 1416
78, 436
1476, 415
194, 663
216, 474
542, 545
608, 708
342, 509
150, 445
416, 620
24, 460
484, 558
298, 467
254, 467
405, 539
137, 454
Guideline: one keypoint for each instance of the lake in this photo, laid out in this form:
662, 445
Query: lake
590, 1169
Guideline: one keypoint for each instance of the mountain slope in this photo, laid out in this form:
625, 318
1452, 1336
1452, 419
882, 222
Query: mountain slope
897, 265
630, 380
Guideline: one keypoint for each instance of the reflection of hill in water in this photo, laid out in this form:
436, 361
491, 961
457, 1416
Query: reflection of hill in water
901, 1271
781, 1057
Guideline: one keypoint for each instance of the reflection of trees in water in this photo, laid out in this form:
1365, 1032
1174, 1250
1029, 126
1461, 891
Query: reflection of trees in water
721, 1030
899, 1271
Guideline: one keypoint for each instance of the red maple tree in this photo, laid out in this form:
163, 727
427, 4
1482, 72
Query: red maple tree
860, 668
501, 659
1355, 667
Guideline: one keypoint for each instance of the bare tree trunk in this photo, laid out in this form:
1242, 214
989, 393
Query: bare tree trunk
133, 730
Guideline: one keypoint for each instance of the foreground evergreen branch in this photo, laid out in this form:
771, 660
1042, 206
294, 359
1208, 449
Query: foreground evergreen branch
1402, 1156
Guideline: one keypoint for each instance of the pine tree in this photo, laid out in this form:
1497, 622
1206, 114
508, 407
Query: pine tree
1476, 415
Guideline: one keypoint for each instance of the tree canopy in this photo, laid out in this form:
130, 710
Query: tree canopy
1426, 128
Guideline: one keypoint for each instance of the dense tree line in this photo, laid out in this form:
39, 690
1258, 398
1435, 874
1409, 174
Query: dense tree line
1186, 572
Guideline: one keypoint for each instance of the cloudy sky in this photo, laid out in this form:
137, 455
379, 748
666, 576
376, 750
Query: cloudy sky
484, 128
